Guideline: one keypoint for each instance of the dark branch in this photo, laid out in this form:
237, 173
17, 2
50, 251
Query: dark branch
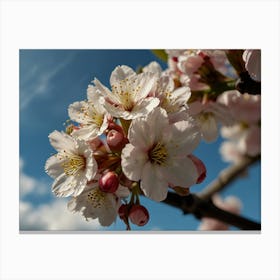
202, 208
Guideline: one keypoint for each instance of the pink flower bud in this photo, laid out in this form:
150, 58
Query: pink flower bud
139, 215
116, 140
95, 144
200, 167
114, 126
123, 211
109, 182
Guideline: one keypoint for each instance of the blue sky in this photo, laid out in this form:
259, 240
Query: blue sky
50, 80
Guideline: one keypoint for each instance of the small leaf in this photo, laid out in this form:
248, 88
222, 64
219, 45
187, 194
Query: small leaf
161, 54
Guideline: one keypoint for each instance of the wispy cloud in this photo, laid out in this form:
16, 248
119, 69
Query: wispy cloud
38, 81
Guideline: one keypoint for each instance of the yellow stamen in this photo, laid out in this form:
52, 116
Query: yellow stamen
158, 154
73, 163
96, 198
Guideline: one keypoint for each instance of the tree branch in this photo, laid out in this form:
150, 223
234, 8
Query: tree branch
202, 208
227, 176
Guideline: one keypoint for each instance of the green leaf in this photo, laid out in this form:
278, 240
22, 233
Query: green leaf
161, 54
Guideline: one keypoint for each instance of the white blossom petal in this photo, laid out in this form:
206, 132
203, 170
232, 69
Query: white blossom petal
145, 132
181, 172
54, 167
61, 141
182, 138
152, 184
133, 161
120, 73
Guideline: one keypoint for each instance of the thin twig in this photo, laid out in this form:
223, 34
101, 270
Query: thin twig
227, 176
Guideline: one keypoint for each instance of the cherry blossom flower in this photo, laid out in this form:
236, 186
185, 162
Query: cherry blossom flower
245, 133
129, 96
208, 117
230, 152
72, 167
231, 204
172, 99
247, 139
243, 107
96, 204
252, 60
91, 115
158, 153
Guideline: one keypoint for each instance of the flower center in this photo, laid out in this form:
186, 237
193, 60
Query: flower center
158, 154
125, 91
92, 115
167, 103
73, 164
96, 198
205, 116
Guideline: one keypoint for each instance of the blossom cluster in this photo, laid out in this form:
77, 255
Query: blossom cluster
137, 137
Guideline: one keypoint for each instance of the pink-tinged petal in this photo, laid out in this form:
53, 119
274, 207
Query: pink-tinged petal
180, 172
230, 152
253, 141
189, 64
86, 133
147, 131
232, 132
182, 92
247, 108
54, 167
152, 183
133, 160
179, 116
166, 84
106, 92
229, 97
120, 73
153, 67
252, 60
231, 204
61, 141
116, 111
200, 167
144, 107
195, 108
221, 113
182, 138
146, 83
195, 84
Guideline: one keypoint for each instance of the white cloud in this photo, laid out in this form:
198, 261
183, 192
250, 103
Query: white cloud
52, 216
28, 184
